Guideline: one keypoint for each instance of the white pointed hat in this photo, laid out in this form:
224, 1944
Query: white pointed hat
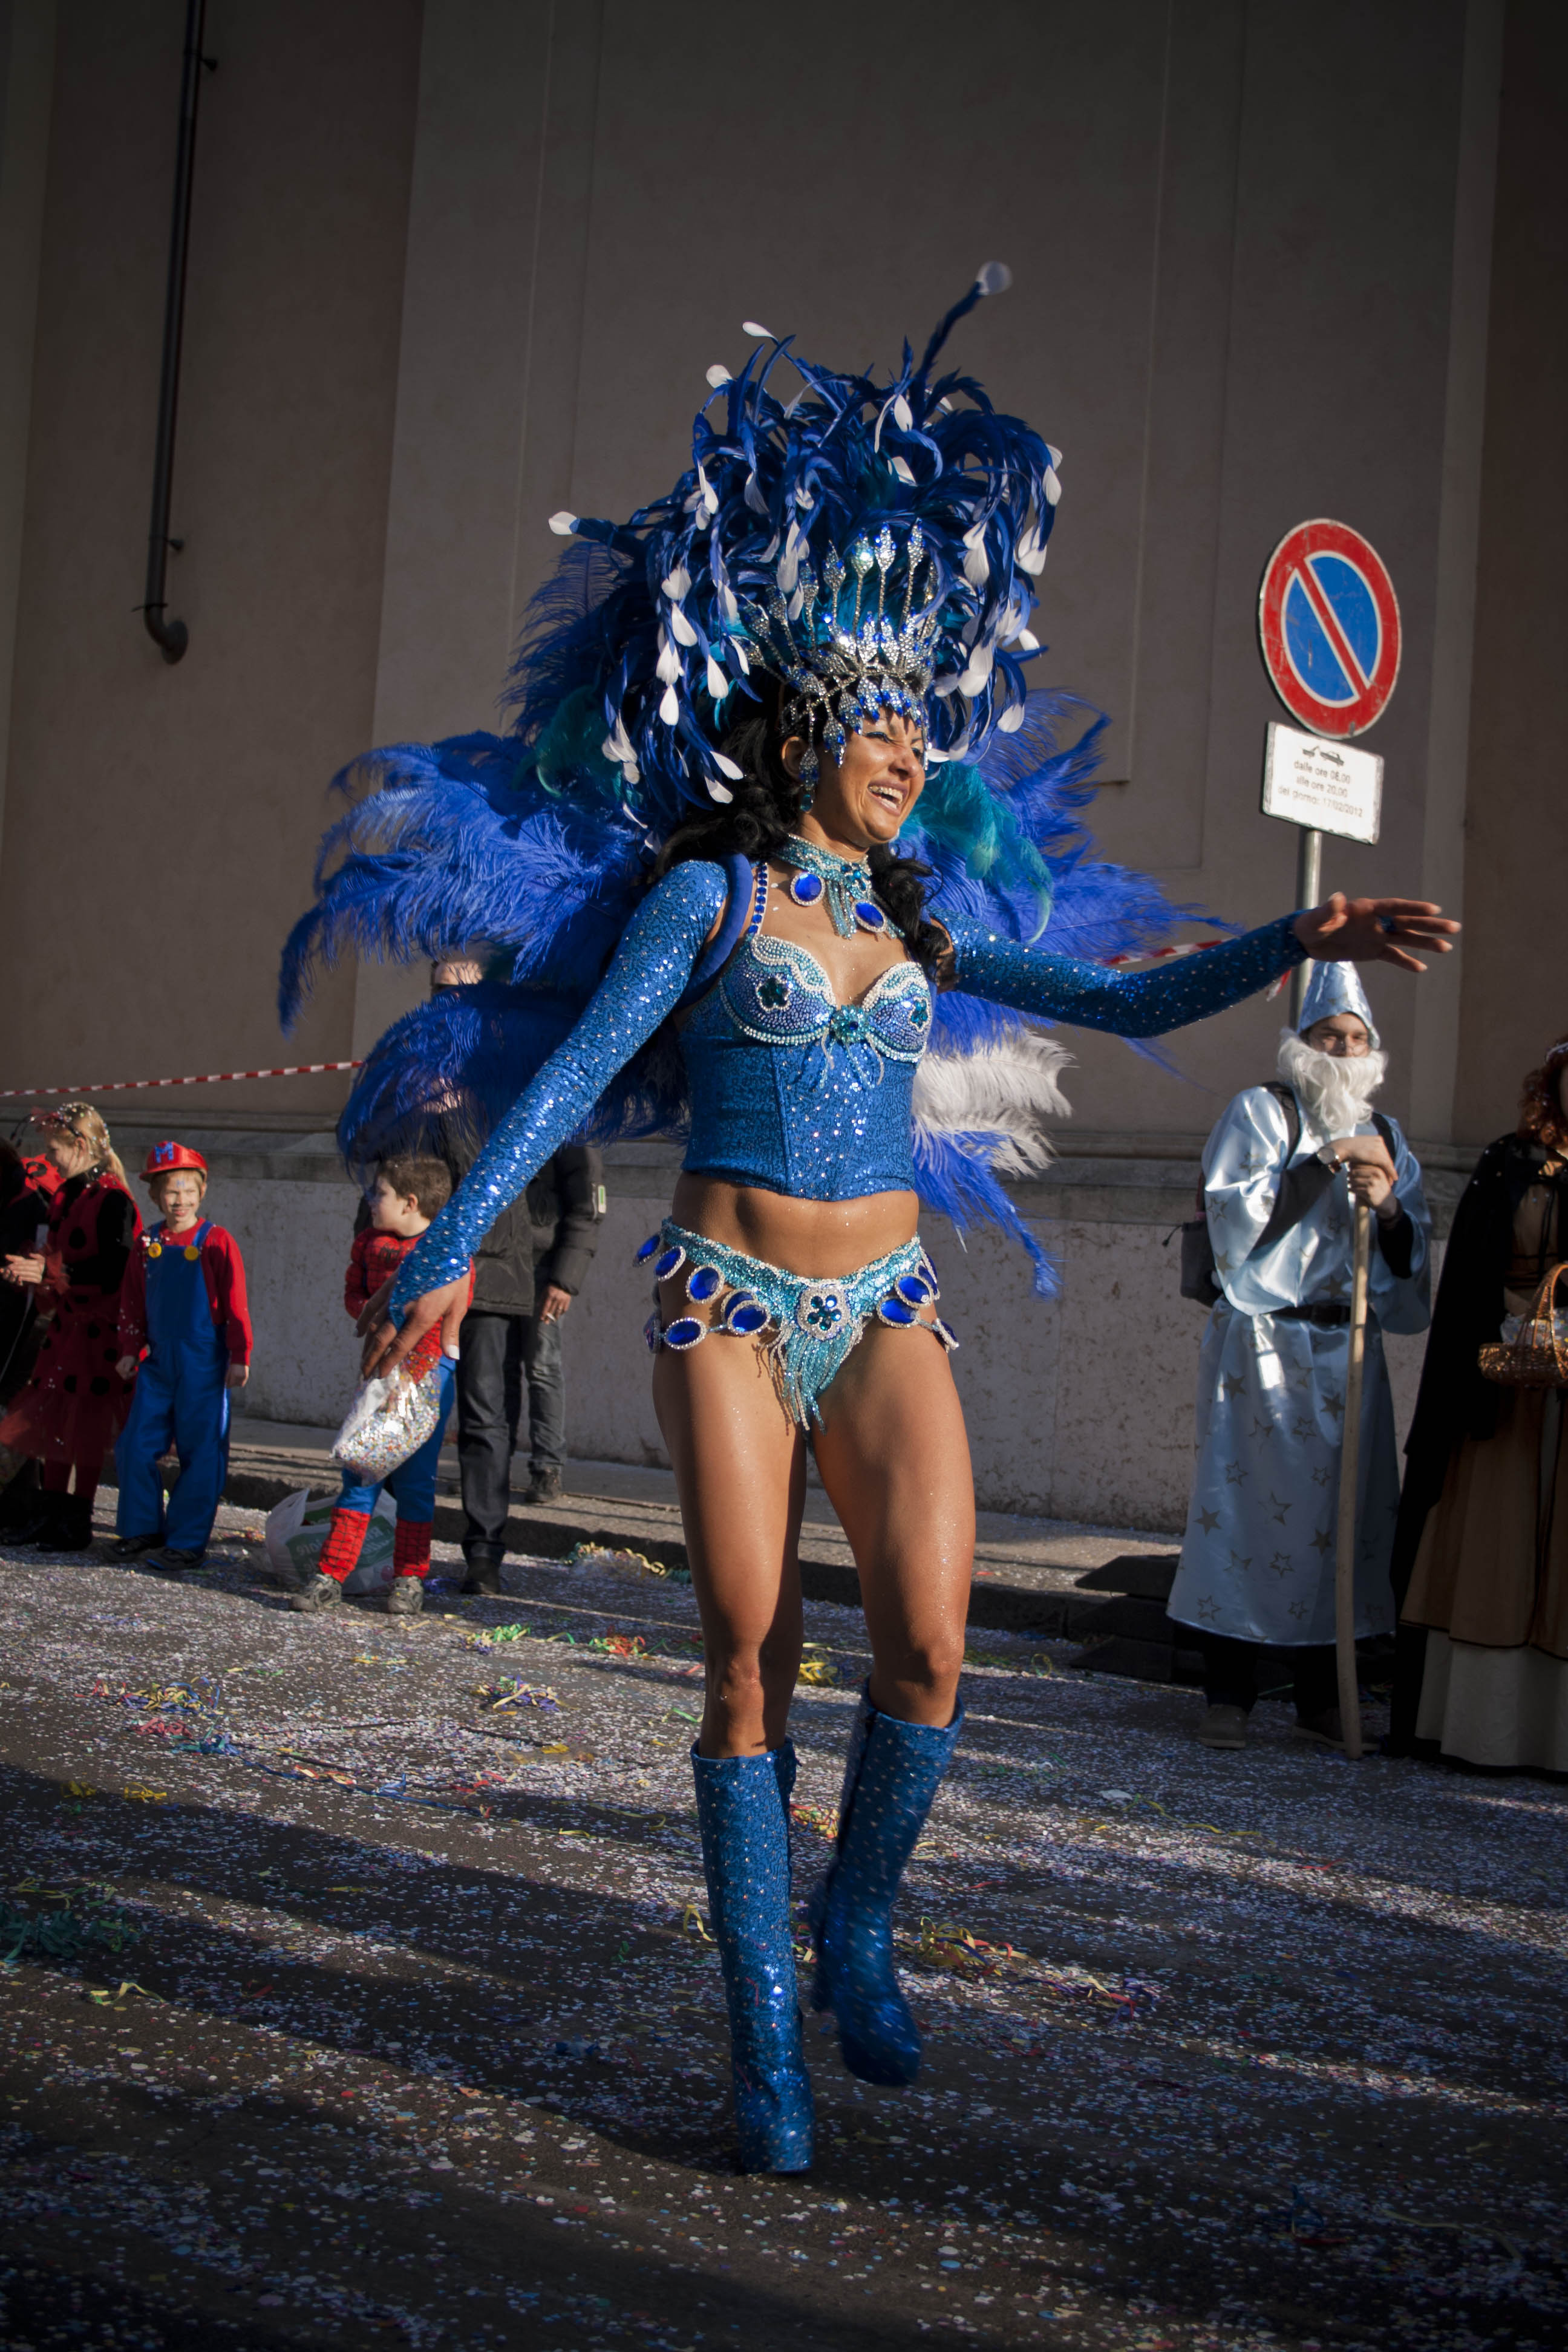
1336, 988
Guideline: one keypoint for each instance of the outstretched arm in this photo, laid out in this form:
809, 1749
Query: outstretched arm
652, 968
1146, 1003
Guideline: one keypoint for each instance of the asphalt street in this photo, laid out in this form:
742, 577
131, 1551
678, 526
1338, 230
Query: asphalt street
358, 1987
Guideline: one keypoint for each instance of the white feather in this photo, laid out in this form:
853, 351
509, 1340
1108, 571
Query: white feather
905, 473
718, 376
717, 790
670, 706
680, 627
750, 327
718, 684
1053, 487
669, 662
994, 277
1008, 1090
1012, 719
563, 524
676, 586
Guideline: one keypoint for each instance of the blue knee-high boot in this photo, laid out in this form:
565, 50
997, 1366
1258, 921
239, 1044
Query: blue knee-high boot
742, 1811
893, 1771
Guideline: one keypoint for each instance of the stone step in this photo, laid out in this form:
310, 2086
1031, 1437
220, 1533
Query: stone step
1028, 1572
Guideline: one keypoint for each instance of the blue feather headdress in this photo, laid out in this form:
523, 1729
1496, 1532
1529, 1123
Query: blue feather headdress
861, 544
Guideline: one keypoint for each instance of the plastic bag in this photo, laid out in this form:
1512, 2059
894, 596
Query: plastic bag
297, 1528
387, 1423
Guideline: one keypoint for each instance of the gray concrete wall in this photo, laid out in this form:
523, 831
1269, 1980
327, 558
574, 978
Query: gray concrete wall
450, 271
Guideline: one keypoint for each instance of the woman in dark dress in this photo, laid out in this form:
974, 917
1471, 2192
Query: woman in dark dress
1481, 1562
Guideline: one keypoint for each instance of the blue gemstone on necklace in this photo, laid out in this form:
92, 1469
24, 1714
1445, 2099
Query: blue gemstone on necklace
684, 1332
806, 889
703, 1281
869, 916
669, 1262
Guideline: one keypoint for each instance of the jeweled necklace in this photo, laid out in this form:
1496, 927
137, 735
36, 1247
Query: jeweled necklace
845, 882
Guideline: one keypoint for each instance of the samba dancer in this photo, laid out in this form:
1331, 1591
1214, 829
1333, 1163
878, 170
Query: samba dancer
719, 914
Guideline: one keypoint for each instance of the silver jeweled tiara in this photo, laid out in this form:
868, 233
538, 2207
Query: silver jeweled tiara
843, 664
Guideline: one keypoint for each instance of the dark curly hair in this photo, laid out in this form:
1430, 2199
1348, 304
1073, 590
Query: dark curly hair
1541, 1119
767, 808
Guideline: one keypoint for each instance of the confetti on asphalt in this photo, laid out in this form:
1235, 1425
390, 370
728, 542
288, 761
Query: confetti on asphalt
1252, 2053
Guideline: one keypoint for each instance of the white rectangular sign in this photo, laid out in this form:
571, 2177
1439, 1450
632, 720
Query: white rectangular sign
1307, 780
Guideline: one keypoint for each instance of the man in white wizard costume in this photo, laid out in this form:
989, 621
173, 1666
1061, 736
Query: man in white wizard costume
1280, 1172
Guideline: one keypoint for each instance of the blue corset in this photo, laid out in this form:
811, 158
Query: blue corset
790, 1091
796, 1093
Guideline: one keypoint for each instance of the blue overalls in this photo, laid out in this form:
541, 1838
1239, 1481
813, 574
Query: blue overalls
181, 1400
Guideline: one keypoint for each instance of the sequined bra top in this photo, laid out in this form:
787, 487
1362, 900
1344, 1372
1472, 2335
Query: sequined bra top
796, 1093
792, 1091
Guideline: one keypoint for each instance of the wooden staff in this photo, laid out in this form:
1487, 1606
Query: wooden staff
1349, 1466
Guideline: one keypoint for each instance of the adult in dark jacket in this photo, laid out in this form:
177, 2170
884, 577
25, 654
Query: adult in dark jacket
527, 1271
1509, 1228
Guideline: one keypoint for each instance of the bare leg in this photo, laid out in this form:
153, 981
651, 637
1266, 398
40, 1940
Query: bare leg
739, 1471
894, 1459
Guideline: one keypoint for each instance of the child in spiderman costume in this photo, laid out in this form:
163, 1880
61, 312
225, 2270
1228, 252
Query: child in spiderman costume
75, 1400
406, 1194
184, 1321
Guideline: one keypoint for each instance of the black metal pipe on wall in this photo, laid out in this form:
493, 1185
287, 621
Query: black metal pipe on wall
172, 636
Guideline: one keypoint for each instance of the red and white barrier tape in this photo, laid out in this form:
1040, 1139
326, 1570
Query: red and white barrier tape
210, 1079
1160, 955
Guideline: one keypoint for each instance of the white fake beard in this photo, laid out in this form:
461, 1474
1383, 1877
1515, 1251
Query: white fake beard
1008, 1089
1335, 1090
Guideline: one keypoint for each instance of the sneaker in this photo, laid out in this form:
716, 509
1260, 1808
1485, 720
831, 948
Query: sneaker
132, 1546
1223, 1727
316, 1593
406, 1597
1329, 1727
545, 1487
170, 1561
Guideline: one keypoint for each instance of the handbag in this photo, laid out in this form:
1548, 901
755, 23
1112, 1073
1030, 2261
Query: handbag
1536, 1355
386, 1423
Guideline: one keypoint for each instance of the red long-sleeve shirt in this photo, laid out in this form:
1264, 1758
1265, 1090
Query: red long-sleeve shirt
373, 1260
223, 1271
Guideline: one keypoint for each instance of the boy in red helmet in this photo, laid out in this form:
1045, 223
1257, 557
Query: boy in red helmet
184, 1320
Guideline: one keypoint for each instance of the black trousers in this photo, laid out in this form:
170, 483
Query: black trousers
1230, 1673
502, 1357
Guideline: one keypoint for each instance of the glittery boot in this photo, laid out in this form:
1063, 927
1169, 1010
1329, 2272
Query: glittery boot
893, 1771
741, 1810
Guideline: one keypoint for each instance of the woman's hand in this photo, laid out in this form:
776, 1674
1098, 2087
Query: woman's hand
1369, 931
238, 1374
1371, 1174
25, 1271
385, 1347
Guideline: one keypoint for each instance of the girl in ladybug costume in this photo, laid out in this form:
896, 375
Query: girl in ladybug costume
184, 1318
75, 1402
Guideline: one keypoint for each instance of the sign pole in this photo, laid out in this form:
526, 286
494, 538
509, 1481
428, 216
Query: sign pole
1309, 891
1350, 1470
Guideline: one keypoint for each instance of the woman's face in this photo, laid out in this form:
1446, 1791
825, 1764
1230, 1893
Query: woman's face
864, 797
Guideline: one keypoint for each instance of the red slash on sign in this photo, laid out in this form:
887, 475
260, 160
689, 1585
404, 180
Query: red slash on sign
1328, 622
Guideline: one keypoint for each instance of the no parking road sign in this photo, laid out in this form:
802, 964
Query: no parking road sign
1328, 621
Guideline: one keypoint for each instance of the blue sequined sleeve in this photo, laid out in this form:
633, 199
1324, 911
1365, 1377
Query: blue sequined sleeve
641, 988
1130, 1005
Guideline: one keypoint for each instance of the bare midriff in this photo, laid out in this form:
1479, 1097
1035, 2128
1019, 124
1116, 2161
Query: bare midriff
811, 1237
